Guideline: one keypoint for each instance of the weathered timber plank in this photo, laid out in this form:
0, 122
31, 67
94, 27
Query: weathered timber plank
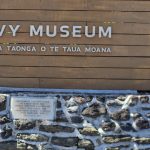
120, 40
99, 84
115, 5
100, 5
44, 4
19, 82
95, 84
90, 73
93, 16
129, 51
121, 28
75, 61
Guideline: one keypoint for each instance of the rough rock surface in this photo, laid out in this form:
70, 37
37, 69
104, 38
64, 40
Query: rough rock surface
87, 144
95, 110
24, 125
32, 137
9, 145
90, 131
66, 142
3, 100
56, 128
122, 115
82, 122
4, 119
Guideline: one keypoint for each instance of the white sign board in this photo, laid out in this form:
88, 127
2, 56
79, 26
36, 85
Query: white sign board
36, 108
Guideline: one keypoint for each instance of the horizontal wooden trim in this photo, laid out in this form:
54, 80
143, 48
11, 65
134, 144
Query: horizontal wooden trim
128, 51
99, 84
120, 40
93, 16
115, 5
119, 28
75, 61
72, 73
19, 82
101, 5
124, 28
45, 4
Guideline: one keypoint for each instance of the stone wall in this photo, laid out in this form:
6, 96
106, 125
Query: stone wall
82, 122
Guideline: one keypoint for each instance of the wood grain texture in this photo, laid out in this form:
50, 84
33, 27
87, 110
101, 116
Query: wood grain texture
118, 28
122, 5
19, 82
75, 83
122, 51
100, 84
121, 40
44, 4
126, 67
74, 73
75, 62
101, 5
78, 16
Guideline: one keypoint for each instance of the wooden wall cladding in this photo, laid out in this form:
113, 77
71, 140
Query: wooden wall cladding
126, 67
